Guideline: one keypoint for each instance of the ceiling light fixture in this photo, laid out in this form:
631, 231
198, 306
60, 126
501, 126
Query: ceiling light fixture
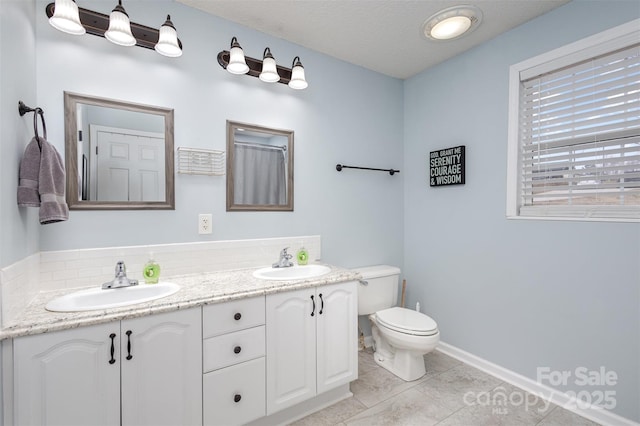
65, 15
67, 18
452, 23
267, 70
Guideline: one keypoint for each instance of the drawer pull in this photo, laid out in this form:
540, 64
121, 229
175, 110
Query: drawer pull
237, 398
237, 350
237, 316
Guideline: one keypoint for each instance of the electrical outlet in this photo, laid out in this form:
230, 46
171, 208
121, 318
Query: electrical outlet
205, 225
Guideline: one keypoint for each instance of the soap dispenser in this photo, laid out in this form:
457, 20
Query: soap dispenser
302, 256
151, 271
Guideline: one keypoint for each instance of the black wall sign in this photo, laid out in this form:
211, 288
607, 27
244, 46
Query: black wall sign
446, 166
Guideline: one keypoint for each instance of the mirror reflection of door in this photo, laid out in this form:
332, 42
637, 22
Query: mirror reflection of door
129, 165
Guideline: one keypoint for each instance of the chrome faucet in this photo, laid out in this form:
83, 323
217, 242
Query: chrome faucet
285, 259
121, 279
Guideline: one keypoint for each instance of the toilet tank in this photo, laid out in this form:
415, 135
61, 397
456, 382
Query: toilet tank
381, 288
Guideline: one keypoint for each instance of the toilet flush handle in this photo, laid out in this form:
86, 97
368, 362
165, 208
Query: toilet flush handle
363, 282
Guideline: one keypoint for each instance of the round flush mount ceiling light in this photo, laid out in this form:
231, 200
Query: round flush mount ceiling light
452, 23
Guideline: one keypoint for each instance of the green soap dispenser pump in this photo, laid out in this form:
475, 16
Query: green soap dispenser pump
151, 271
303, 256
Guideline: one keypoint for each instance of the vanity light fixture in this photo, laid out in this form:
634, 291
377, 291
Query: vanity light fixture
119, 31
237, 63
297, 81
452, 23
67, 18
167, 44
267, 70
65, 15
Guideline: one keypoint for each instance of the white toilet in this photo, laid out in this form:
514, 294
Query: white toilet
401, 336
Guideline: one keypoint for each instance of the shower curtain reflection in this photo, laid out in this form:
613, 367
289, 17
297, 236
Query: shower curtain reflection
260, 174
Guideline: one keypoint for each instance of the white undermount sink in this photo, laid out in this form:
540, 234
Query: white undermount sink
97, 298
291, 273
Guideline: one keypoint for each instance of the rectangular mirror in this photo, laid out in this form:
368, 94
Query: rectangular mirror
259, 168
118, 155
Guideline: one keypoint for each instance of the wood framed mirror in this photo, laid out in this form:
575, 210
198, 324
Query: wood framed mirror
259, 168
118, 154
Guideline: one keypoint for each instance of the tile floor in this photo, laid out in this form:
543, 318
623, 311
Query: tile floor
450, 394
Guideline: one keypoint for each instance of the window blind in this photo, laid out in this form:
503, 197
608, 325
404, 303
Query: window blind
579, 131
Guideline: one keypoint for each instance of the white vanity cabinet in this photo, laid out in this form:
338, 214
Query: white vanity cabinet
233, 362
311, 342
65, 378
142, 371
161, 357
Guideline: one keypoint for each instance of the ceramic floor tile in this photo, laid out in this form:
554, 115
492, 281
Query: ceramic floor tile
378, 384
503, 405
366, 362
333, 415
561, 417
451, 386
411, 407
451, 394
437, 362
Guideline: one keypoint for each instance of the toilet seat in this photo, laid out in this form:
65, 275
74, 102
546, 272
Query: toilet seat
407, 321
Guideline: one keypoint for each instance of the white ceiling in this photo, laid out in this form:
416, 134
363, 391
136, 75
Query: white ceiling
381, 35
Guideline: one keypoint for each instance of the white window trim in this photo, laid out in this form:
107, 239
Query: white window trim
622, 35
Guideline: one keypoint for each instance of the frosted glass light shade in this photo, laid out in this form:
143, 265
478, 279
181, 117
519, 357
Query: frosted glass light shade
66, 17
451, 27
237, 64
298, 81
269, 72
119, 31
451, 23
168, 40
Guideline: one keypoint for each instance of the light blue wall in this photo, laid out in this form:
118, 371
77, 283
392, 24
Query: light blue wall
19, 233
522, 294
347, 115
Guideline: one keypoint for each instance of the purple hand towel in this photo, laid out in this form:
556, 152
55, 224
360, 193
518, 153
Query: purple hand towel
53, 207
28, 195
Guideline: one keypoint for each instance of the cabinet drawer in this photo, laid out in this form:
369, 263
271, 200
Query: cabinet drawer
226, 317
233, 348
235, 395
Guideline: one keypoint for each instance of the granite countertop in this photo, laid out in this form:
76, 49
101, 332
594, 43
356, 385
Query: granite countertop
195, 290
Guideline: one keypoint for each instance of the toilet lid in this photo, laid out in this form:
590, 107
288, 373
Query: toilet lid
407, 321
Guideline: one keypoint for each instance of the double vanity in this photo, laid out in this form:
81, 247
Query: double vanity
229, 347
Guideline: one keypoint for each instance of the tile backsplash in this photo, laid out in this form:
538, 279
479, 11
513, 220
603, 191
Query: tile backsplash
18, 285
55, 270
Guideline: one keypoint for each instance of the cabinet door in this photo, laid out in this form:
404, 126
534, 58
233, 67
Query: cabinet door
291, 348
337, 335
65, 378
162, 369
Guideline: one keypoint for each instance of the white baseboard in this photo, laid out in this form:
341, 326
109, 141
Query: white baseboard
591, 412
